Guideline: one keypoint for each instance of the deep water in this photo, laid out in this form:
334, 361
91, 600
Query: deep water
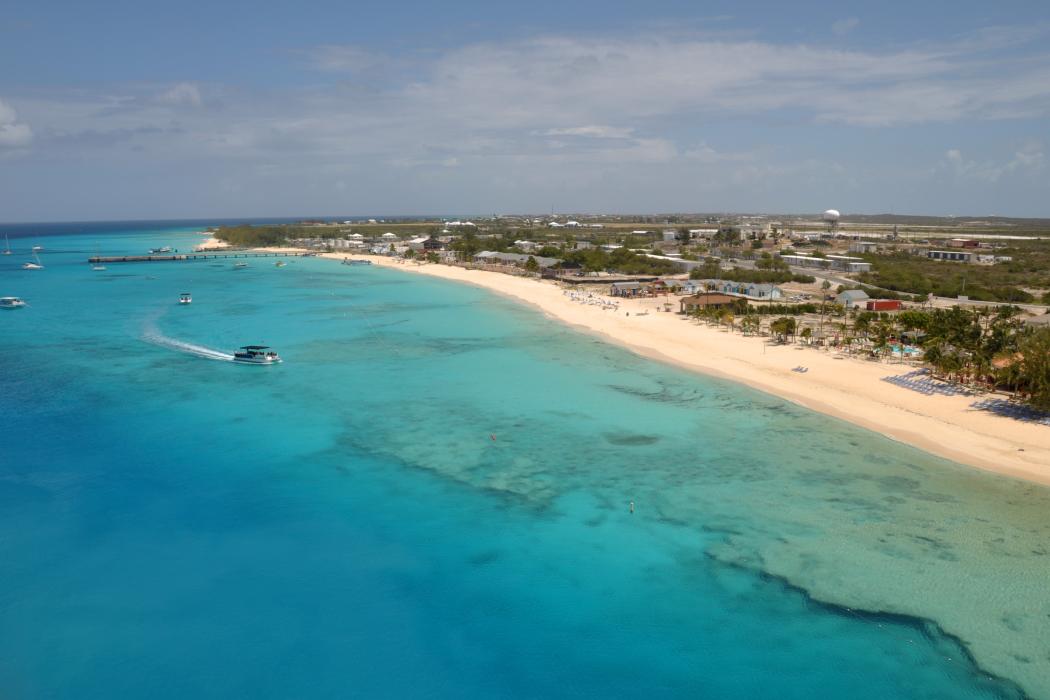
430, 498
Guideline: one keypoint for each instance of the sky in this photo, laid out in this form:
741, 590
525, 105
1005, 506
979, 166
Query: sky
143, 110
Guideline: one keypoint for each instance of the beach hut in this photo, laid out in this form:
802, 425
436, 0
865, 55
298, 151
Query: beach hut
706, 300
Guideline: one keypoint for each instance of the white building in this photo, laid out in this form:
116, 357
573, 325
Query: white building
863, 247
843, 263
950, 255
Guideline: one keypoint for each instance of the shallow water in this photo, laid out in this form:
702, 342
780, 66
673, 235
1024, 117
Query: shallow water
430, 498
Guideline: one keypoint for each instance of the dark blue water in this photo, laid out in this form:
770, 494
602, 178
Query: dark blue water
429, 498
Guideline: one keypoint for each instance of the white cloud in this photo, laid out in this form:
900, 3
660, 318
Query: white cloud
338, 58
844, 26
598, 132
1029, 158
181, 94
483, 116
13, 133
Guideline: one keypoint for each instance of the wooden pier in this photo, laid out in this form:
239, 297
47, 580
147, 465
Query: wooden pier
191, 257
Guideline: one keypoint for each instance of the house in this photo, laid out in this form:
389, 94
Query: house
963, 243
851, 298
679, 286
432, 245
761, 291
883, 305
751, 290
630, 289
707, 300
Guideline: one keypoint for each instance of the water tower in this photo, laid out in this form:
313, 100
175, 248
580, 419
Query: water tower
831, 220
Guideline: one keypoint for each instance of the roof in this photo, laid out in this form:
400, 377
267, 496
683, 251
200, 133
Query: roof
709, 297
853, 295
255, 347
517, 258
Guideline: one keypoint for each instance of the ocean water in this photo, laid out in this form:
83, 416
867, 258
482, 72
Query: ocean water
430, 498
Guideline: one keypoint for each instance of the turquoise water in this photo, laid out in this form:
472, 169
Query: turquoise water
908, 350
429, 498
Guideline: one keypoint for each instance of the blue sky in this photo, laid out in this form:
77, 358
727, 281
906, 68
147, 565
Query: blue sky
200, 109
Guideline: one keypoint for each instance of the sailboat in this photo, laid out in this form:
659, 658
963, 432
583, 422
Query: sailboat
7, 245
33, 265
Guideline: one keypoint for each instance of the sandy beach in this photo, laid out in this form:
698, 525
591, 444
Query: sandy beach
850, 389
211, 243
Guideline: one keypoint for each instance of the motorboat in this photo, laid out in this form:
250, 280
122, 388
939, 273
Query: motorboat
280, 263
256, 355
37, 248
238, 266
353, 261
185, 298
165, 249
11, 303
98, 268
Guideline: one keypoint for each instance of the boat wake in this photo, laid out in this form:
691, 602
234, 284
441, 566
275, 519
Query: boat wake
157, 338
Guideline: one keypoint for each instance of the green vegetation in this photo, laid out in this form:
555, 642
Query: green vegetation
246, 236
988, 346
914, 274
712, 269
783, 327
621, 260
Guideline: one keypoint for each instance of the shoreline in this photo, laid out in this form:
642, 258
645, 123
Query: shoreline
849, 389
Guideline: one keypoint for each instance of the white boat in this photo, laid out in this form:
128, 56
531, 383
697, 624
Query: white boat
7, 245
280, 263
37, 248
35, 265
256, 355
185, 298
238, 266
352, 261
165, 249
98, 268
11, 303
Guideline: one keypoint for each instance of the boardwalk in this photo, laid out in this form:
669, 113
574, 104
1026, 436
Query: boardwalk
190, 257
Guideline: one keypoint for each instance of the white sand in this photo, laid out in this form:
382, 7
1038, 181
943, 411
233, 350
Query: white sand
847, 388
211, 243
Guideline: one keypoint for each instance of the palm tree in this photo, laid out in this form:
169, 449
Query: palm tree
824, 287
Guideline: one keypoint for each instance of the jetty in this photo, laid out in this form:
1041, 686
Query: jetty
191, 257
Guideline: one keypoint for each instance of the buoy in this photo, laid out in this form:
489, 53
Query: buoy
632, 506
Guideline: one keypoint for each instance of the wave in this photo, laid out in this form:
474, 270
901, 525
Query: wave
152, 335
